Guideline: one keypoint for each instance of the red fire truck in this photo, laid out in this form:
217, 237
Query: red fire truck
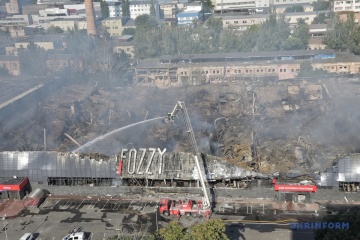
180, 208
187, 207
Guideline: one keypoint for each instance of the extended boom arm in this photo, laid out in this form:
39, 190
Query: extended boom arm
180, 106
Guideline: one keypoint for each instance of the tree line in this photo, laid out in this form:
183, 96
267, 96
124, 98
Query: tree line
343, 35
208, 230
272, 35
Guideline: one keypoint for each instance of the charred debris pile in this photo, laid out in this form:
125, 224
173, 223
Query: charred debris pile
262, 126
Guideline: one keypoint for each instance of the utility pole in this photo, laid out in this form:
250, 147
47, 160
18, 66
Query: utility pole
45, 139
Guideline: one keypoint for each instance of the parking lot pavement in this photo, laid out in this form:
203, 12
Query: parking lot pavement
100, 219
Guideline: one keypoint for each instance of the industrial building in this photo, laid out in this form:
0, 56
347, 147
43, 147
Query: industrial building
73, 169
195, 69
345, 174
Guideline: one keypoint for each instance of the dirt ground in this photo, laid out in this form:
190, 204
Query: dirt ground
294, 127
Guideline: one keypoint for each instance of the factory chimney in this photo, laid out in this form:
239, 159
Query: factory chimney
90, 17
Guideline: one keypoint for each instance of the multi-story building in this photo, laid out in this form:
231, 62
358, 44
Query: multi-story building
345, 5
308, 17
115, 9
168, 10
281, 8
46, 42
15, 24
124, 44
49, 12
241, 22
70, 23
138, 8
238, 5
12, 7
316, 43
113, 26
317, 29
290, 3
191, 13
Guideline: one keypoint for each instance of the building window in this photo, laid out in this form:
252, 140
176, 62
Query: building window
236, 22
245, 21
235, 71
217, 71
207, 72
280, 70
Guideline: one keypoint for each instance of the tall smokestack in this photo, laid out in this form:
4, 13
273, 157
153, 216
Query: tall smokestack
90, 17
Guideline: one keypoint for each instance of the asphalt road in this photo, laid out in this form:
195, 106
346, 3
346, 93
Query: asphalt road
100, 219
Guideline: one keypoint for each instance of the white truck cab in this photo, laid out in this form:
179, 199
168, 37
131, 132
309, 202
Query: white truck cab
75, 236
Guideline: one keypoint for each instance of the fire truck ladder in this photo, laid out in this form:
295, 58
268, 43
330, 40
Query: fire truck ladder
180, 106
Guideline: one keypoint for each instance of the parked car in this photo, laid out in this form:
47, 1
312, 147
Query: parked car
75, 236
27, 236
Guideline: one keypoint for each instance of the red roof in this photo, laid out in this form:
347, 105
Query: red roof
13, 184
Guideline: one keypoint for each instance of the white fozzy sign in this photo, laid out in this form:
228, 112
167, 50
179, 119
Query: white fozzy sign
139, 167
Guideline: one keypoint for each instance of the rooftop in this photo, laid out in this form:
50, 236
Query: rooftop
11, 181
219, 61
40, 38
139, 2
248, 54
245, 16
317, 26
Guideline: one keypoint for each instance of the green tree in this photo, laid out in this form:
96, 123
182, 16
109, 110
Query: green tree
306, 69
54, 30
249, 39
229, 41
104, 9
207, 5
145, 22
152, 9
339, 35
209, 230
295, 8
125, 8
320, 18
128, 31
27, 64
320, 5
173, 232
352, 217
299, 39
273, 33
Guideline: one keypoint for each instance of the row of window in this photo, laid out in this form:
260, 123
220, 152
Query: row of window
347, 2
272, 70
243, 21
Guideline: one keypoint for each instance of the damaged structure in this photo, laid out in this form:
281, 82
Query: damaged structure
73, 169
345, 174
